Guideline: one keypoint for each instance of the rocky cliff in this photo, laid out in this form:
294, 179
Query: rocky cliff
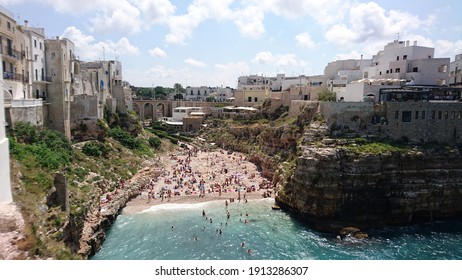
332, 187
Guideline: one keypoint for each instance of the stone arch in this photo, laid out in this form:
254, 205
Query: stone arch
148, 112
160, 111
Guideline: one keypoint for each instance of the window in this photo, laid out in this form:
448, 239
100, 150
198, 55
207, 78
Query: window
36, 74
446, 115
53, 55
396, 115
405, 57
397, 70
40, 45
380, 73
35, 57
8, 25
397, 58
249, 99
407, 116
440, 115
35, 43
459, 115
388, 71
391, 71
423, 115
256, 99
416, 115
415, 69
453, 115
433, 114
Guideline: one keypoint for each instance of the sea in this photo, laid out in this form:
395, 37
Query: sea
254, 231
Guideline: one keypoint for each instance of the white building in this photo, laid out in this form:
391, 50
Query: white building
339, 73
35, 53
197, 93
455, 72
415, 64
180, 112
5, 188
397, 64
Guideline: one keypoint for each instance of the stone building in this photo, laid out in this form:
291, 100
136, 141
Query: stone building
455, 72
19, 57
63, 67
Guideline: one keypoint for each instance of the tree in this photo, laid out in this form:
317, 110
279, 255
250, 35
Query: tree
178, 96
178, 88
160, 92
326, 95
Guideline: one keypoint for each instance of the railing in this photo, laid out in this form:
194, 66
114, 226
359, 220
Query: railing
13, 76
26, 102
46, 79
11, 53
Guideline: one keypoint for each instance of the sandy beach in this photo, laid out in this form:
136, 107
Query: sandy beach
191, 174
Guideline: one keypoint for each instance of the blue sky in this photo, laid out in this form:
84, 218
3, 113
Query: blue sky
212, 42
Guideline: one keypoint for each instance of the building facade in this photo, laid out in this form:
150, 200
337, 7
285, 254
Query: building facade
61, 65
455, 72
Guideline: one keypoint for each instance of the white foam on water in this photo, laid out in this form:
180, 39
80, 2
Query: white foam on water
179, 206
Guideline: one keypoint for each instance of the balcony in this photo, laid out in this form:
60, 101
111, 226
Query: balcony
10, 76
43, 79
10, 53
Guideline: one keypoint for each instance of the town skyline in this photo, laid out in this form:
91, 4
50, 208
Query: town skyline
212, 43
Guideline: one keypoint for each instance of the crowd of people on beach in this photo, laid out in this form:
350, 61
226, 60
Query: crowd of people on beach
187, 175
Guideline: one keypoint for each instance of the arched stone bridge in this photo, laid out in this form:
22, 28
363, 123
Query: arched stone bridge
157, 109
152, 109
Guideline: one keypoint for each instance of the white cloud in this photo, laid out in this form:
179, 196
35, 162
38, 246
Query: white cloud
286, 60
283, 60
156, 11
324, 12
121, 17
304, 40
88, 49
369, 22
444, 48
182, 26
250, 22
157, 52
263, 57
194, 62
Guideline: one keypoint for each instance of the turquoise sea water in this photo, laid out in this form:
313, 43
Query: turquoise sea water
269, 234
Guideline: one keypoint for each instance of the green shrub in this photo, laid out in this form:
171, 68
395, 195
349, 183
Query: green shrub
36, 146
95, 149
154, 142
124, 138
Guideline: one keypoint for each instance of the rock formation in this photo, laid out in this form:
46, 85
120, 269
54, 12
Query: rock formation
332, 188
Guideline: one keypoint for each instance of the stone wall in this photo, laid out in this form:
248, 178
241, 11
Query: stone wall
416, 122
29, 111
84, 107
425, 121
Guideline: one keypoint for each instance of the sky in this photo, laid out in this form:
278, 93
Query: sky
213, 42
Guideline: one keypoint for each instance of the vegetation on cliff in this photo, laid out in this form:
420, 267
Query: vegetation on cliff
90, 168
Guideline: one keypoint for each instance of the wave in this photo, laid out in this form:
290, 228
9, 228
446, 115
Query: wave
195, 206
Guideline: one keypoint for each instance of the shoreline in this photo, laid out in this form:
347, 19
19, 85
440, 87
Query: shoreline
224, 176
185, 175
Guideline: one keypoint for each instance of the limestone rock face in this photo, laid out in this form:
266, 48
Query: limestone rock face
86, 238
332, 189
11, 226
